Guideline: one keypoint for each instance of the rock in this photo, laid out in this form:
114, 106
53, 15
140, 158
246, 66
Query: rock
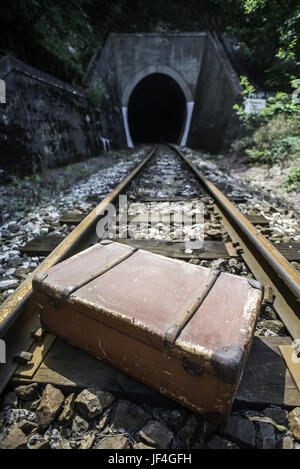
173, 419
275, 326
240, 430
64, 444
79, 425
206, 429
220, 443
2, 421
87, 441
15, 261
13, 226
23, 357
141, 445
49, 405
31, 405
41, 445
232, 262
114, 442
128, 416
10, 400
22, 273
156, 434
10, 272
267, 434
66, 415
91, 402
3, 297
279, 415
214, 234
16, 415
27, 427
268, 312
102, 422
15, 439
294, 422
218, 263
286, 443
27, 393
198, 445
6, 284
187, 433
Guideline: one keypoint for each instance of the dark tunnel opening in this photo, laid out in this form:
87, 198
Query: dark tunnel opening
156, 110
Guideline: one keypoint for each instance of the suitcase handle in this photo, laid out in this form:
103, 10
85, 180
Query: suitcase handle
193, 368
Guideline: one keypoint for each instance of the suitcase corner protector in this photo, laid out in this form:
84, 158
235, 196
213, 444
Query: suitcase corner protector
38, 279
256, 284
228, 362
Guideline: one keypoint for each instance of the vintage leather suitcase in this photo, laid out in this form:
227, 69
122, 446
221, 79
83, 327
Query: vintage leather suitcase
182, 329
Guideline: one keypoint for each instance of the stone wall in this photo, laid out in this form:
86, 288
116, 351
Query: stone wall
44, 122
215, 124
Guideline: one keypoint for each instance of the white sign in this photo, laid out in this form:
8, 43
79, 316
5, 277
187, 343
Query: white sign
2, 92
2, 351
253, 105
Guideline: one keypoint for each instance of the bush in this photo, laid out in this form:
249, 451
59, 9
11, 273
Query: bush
274, 131
95, 94
276, 140
293, 179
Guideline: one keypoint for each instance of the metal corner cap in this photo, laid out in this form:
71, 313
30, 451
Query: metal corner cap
38, 279
256, 284
228, 362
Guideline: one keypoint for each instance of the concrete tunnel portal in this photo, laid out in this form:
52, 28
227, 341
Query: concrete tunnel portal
158, 110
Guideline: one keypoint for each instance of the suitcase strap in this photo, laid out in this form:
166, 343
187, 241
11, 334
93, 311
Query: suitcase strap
174, 331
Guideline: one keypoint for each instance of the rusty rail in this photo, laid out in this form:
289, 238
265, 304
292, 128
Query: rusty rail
278, 271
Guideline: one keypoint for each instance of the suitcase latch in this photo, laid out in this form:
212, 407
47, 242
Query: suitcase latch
194, 368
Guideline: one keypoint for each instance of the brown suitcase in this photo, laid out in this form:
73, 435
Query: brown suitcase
182, 329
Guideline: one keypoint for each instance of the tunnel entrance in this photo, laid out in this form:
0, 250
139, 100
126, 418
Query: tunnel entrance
156, 110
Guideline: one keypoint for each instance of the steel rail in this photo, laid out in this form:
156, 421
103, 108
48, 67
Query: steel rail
277, 269
18, 314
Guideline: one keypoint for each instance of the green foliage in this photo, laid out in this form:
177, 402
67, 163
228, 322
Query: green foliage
276, 150
248, 89
211, 156
63, 38
275, 131
293, 179
281, 103
251, 5
95, 94
120, 154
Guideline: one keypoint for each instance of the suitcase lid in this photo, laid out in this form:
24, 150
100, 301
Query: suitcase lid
187, 309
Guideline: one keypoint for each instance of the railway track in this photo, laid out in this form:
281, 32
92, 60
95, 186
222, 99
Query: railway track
165, 181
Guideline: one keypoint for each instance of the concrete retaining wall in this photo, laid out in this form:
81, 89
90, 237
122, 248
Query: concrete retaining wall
214, 123
44, 121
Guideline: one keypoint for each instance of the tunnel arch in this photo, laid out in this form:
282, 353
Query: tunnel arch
163, 69
176, 80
